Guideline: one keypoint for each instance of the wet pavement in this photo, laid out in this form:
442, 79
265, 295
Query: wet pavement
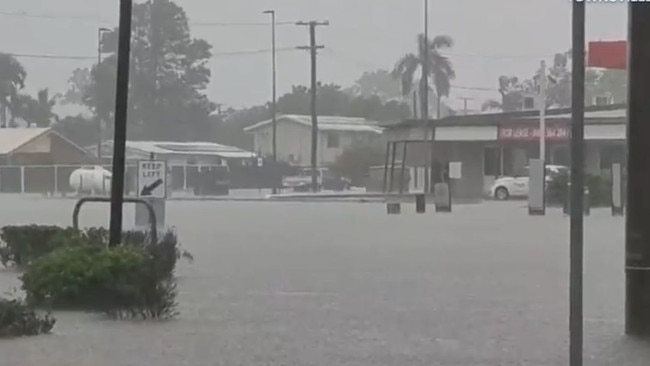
344, 284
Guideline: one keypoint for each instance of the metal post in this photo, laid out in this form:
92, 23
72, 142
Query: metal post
274, 95
22, 179
425, 100
543, 91
403, 171
392, 166
121, 110
100, 32
386, 162
577, 186
56, 179
637, 230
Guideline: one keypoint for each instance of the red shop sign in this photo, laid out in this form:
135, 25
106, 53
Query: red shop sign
533, 133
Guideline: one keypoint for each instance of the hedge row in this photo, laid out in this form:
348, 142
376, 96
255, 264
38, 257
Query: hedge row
17, 320
600, 189
68, 269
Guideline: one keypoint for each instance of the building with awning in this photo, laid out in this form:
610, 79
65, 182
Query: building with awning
498, 144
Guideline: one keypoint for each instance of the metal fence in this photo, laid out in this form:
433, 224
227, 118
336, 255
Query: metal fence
54, 180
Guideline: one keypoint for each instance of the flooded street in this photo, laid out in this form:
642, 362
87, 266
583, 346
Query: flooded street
344, 284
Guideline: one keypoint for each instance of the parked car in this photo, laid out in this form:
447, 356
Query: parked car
505, 188
326, 181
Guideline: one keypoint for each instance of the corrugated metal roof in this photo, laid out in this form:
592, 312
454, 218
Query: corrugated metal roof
327, 123
13, 138
189, 148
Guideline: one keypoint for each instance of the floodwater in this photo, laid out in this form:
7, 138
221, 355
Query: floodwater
344, 284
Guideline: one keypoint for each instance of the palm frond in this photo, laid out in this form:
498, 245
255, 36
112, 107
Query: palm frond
405, 70
441, 42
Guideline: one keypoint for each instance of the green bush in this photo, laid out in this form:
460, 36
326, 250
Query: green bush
600, 189
19, 245
119, 281
17, 320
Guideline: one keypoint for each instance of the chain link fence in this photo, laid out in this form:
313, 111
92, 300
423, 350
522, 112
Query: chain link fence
54, 180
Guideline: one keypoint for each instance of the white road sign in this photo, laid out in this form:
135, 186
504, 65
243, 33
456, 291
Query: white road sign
152, 179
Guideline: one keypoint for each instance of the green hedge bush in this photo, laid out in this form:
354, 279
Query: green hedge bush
72, 269
600, 189
19, 245
17, 320
122, 281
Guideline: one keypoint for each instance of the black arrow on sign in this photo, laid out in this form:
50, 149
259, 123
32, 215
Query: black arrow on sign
147, 190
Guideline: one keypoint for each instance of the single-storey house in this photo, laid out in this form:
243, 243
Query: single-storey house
39, 146
179, 153
37, 160
335, 135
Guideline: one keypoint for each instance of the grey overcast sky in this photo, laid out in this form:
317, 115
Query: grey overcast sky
493, 37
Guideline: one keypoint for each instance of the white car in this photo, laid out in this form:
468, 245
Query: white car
507, 187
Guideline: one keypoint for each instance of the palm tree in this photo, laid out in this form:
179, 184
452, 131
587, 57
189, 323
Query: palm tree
440, 69
12, 79
37, 111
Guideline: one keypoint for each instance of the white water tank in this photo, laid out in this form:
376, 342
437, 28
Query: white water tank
96, 180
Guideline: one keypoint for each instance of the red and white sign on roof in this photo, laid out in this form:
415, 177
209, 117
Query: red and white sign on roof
529, 133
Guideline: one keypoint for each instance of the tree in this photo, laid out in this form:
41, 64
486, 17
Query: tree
332, 101
12, 80
379, 83
37, 111
440, 69
605, 83
79, 84
78, 129
168, 76
355, 163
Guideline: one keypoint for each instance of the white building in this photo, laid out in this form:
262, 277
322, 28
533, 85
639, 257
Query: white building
335, 135
180, 153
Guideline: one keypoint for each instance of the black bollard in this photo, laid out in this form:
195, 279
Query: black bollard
420, 203
394, 208
442, 197
587, 202
566, 208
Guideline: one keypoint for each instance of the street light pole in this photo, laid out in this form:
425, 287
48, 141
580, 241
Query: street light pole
100, 32
274, 97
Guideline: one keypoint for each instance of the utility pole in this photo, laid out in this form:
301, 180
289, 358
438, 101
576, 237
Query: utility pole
465, 99
274, 95
428, 178
637, 230
543, 92
100, 32
576, 245
313, 49
121, 112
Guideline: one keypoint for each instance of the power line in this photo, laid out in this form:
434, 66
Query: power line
73, 57
364, 65
23, 14
218, 24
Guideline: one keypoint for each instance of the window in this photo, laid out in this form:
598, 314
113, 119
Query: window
333, 140
492, 164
